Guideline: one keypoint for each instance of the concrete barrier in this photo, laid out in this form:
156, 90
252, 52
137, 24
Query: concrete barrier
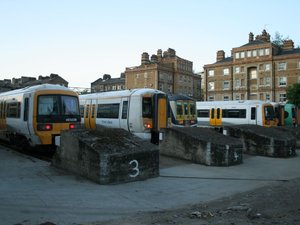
202, 145
265, 141
107, 156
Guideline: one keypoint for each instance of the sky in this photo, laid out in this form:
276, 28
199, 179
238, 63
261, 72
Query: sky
81, 40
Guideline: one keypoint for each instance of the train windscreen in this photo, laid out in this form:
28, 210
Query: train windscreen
58, 108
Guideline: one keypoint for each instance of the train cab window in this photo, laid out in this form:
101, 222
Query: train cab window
147, 107
253, 113
124, 110
48, 105
69, 105
179, 108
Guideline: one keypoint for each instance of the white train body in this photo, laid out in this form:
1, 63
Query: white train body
142, 112
24, 116
220, 113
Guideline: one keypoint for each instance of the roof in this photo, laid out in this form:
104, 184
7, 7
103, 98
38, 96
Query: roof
255, 42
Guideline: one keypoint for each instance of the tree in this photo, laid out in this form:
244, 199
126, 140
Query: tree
293, 94
278, 40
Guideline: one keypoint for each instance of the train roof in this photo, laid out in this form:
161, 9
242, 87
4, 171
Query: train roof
174, 97
121, 93
236, 102
35, 88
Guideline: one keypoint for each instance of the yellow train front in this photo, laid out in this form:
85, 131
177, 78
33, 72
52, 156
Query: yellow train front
36, 115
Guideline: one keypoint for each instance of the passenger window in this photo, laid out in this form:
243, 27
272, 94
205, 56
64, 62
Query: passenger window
124, 110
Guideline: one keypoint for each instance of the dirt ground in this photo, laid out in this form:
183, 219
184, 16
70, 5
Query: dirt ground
278, 203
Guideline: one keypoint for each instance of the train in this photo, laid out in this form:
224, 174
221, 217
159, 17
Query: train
34, 116
286, 114
142, 112
220, 113
182, 111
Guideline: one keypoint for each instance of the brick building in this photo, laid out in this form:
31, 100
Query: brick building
257, 70
166, 72
108, 84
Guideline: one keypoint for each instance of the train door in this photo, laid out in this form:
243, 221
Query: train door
2, 115
215, 116
124, 123
90, 114
162, 112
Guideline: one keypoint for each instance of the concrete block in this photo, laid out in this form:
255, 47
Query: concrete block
107, 156
202, 145
265, 141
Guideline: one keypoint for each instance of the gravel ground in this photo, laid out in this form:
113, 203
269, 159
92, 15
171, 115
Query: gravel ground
278, 203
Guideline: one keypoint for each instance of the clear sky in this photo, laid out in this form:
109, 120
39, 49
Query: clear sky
83, 39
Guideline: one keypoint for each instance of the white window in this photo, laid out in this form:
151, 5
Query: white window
237, 55
268, 81
298, 64
211, 86
253, 74
226, 84
211, 72
137, 76
226, 98
237, 83
267, 97
211, 98
237, 69
261, 52
282, 66
248, 54
267, 51
145, 75
282, 81
237, 97
267, 67
242, 55
282, 97
226, 71
254, 53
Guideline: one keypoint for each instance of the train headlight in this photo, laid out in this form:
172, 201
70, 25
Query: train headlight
44, 127
148, 125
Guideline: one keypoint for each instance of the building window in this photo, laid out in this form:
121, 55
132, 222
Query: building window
298, 64
237, 69
211, 86
242, 55
237, 97
211, 73
267, 51
237, 83
268, 81
267, 97
267, 67
237, 55
242, 82
254, 53
253, 74
282, 66
242, 96
282, 81
226, 85
226, 71
261, 81
248, 54
242, 69
261, 52
282, 97
211, 98
226, 98
261, 66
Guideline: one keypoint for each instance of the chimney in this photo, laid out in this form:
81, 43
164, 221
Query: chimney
154, 58
288, 45
145, 58
251, 37
220, 55
159, 53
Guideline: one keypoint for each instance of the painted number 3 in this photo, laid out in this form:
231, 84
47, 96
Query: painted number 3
135, 168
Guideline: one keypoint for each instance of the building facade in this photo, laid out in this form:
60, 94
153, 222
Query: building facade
258, 70
166, 72
108, 84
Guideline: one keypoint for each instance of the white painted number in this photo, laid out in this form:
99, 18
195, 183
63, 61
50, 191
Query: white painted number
135, 170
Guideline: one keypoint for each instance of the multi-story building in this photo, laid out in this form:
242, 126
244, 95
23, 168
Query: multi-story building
108, 84
257, 70
166, 72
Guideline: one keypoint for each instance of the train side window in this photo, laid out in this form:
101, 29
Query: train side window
110, 111
26, 109
124, 110
218, 113
192, 108
212, 113
13, 110
253, 113
204, 113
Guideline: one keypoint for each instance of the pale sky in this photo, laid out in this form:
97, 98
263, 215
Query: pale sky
83, 39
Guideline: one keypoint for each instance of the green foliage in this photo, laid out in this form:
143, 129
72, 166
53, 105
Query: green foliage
293, 94
278, 40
